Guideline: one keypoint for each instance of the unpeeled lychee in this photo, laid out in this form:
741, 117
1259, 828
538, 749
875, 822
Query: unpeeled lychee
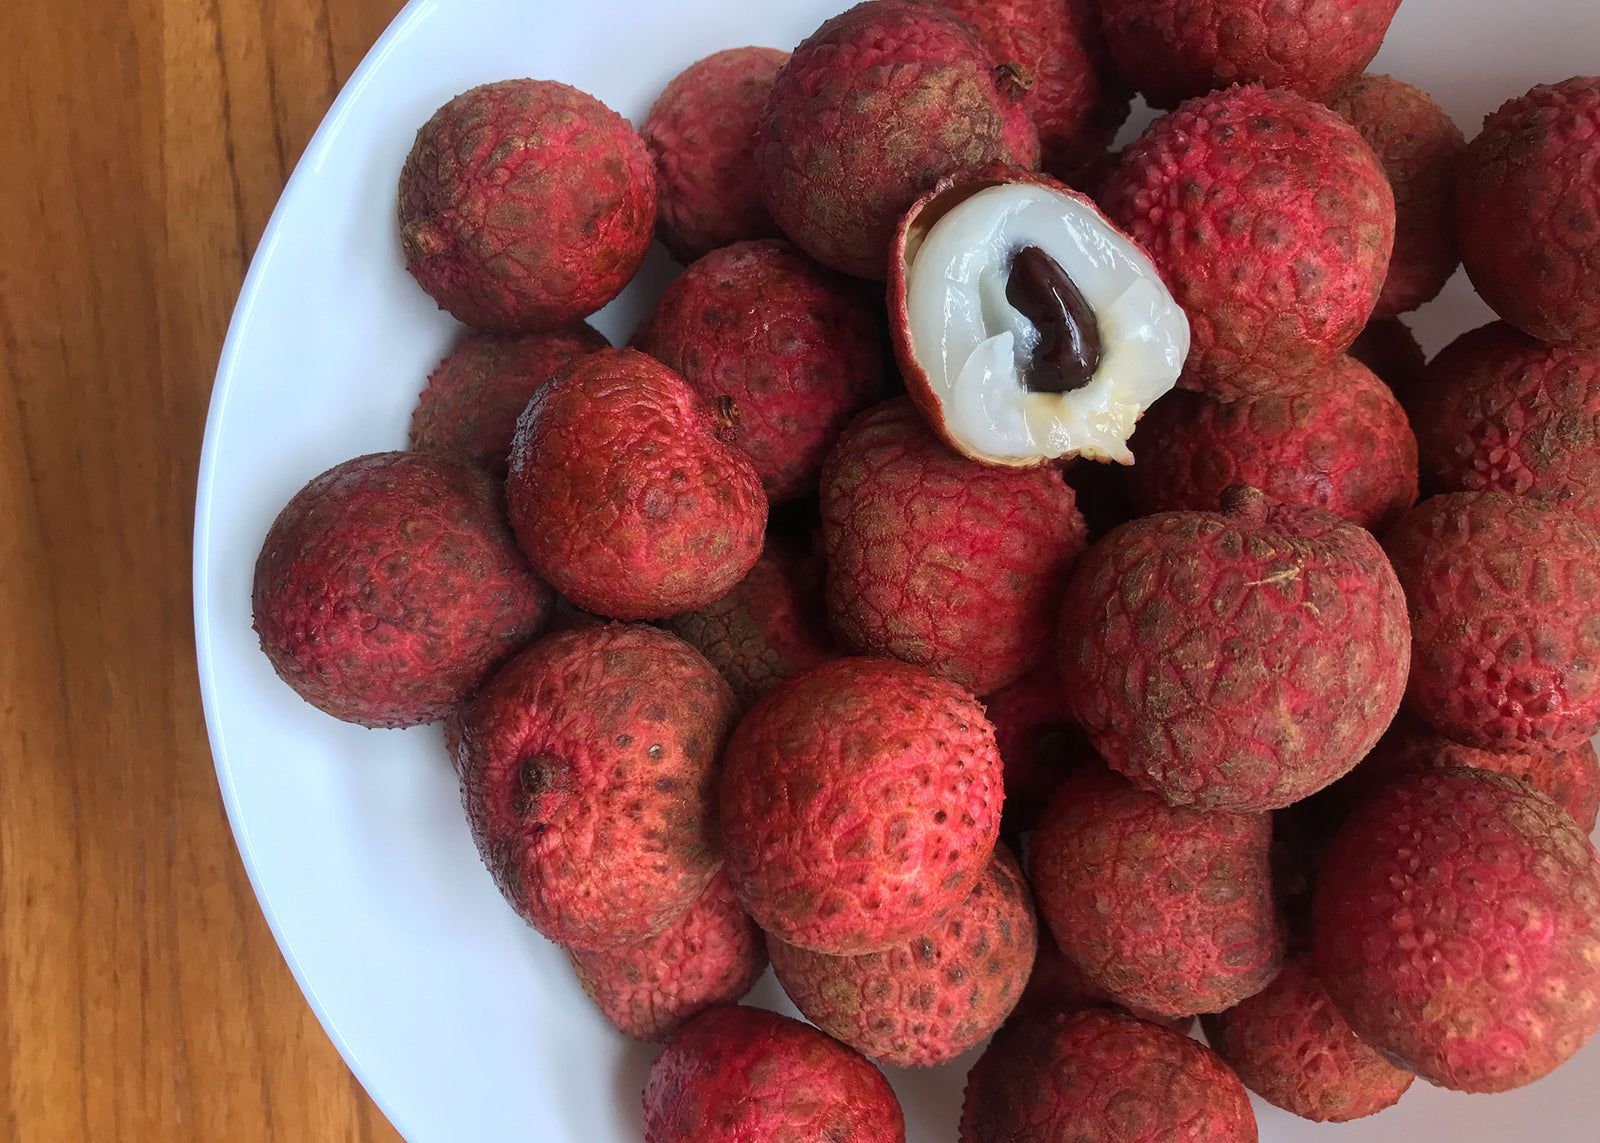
1057, 983
1039, 744
1389, 348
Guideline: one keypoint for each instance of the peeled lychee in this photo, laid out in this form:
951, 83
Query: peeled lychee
1039, 744
390, 586
625, 494
860, 804
525, 205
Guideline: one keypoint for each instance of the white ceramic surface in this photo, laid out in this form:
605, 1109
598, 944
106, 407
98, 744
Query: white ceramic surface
462, 1023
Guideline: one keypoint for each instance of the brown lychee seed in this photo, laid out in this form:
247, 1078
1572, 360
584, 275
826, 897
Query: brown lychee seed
1026, 325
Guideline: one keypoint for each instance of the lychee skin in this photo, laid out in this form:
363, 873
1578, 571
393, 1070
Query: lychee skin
1457, 926
938, 560
1291, 1047
871, 110
1057, 983
1038, 742
926, 1001
1097, 1076
1272, 224
624, 494
1528, 213
711, 955
390, 586
736, 1075
797, 346
1504, 597
860, 804
588, 773
1174, 49
525, 205
1336, 439
1165, 908
1238, 660
470, 407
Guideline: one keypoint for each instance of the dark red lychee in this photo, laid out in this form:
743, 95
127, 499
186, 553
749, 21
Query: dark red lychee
1058, 983
1038, 742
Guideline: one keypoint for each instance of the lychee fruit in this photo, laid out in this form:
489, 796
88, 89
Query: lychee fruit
1389, 348
1272, 223
797, 347
1291, 1047
736, 1075
860, 804
930, 999
1057, 983
701, 134
1504, 596
588, 773
1528, 213
870, 111
711, 955
470, 407
1457, 927
390, 586
938, 561
525, 205
1240, 659
1039, 744
625, 494
1420, 148
1164, 907
1335, 439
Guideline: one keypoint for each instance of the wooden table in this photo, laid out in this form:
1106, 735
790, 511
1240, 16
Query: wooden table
142, 146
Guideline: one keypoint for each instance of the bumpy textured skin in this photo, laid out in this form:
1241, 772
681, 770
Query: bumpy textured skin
1272, 224
1166, 908
1457, 927
588, 773
928, 1000
860, 804
1238, 660
1038, 742
746, 1075
799, 348
1389, 348
871, 110
390, 586
1528, 212
1291, 1047
470, 407
1057, 983
525, 205
1335, 439
701, 134
711, 955
1498, 411
1504, 596
938, 560
624, 493
1174, 49
1102, 1077
1420, 148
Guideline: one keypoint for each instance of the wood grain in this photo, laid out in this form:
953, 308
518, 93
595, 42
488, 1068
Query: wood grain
144, 144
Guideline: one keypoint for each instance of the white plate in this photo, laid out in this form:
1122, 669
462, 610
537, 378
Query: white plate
462, 1023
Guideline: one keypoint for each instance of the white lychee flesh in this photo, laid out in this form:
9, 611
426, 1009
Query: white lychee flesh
975, 347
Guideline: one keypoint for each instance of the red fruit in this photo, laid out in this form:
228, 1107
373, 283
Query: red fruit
390, 586
1457, 927
1504, 595
701, 133
711, 955
1528, 213
928, 1000
737, 1075
588, 767
1335, 439
470, 408
1039, 744
937, 560
1272, 223
1389, 348
1102, 1077
624, 494
1057, 983
860, 804
1236, 660
1291, 1047
525, 205
795, 345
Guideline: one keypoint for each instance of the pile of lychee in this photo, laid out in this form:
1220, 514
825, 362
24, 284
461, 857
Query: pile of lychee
997, 596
